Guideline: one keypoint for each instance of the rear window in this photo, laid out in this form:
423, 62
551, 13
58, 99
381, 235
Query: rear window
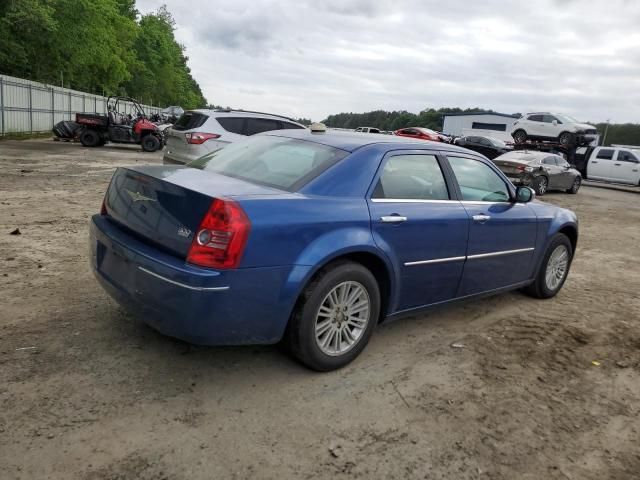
190, 120
232, 124
278, 162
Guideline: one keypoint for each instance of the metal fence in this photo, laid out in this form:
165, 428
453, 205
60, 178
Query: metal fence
27, 106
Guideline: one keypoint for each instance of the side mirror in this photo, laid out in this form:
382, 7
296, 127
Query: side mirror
524, 194
462, 142
555, 122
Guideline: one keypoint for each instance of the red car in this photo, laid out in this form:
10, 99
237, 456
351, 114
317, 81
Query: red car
420, 133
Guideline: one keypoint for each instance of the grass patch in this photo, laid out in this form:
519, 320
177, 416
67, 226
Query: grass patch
25, 136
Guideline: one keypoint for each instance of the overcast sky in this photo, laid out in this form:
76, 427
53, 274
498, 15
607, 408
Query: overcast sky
313, 58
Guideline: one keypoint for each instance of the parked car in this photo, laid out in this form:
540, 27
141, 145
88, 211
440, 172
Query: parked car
615, 164
567, 131
489, 147
198, 132
316, 237
540, 171
419, 133
368, 130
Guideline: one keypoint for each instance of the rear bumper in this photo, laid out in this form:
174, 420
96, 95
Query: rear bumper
524, 179
201, 306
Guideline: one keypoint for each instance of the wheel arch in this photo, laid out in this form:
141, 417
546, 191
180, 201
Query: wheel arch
375, 262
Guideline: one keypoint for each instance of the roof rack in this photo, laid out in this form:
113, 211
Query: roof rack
230, 110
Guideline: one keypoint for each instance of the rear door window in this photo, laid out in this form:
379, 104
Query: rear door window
259, 125
535, 118
233, 124
605, 154
412, 177
550, 161
478, 181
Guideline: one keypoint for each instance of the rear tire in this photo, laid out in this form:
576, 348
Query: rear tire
89, 138
553, 270
150, 143
520, 136
576, 186
540, 185
322, 333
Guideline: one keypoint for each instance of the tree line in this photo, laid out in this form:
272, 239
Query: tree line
618, 134
98, 46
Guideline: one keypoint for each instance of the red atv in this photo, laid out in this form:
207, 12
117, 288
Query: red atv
116, 127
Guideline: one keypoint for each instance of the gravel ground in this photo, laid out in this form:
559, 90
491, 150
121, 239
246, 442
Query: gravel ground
538, 390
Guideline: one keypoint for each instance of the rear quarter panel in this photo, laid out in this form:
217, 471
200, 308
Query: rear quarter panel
551, 220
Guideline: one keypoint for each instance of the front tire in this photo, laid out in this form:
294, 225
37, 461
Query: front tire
577, 182
540, 185
335, 317
566, 139
554, 268
150, 143
89, 138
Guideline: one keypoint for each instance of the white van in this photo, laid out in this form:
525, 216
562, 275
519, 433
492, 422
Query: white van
614, 164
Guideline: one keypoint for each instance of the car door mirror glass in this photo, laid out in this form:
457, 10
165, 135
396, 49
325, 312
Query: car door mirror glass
524, 194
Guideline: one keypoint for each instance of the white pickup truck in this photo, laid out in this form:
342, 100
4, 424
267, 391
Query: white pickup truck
616, 164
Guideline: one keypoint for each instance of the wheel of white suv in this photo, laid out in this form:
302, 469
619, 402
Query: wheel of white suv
566, 139
520, 136
335, 317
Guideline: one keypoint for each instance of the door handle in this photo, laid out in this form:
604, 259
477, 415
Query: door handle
393, 219
482, 218
617, 164
593, 161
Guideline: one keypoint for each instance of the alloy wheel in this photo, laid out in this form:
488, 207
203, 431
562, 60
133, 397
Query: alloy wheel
342, 318
542, 186
557, 267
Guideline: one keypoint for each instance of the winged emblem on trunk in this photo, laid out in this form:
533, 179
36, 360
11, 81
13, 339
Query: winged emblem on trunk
138, 197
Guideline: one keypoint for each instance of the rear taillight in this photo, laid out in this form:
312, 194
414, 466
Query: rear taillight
199, 138
221, 236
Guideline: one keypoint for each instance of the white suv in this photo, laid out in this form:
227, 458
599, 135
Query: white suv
198, 132
553, 126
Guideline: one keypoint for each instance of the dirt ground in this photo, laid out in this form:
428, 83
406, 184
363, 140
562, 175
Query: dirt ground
539, 390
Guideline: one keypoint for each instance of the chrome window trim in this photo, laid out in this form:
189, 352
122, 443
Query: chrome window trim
183, 285
468, 257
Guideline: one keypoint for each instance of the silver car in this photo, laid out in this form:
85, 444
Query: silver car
198, 132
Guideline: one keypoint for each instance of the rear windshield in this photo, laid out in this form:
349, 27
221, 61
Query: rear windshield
278, 162
190, 120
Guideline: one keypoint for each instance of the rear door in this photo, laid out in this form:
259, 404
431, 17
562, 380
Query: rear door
535, 127
502, 234
420, 226
554, 172
600, 164
625, 168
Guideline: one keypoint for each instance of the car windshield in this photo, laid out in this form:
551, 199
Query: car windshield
278, 162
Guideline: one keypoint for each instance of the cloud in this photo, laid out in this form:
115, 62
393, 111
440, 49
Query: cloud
313, 58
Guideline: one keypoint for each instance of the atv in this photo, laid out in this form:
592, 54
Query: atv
115, 127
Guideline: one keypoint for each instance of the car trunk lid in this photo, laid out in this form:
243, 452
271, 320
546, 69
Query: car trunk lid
511, 166
165, 205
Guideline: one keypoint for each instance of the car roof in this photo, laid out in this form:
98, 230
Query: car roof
239, 113
351, 141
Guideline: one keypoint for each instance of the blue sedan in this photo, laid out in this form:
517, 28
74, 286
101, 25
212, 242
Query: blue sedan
313, 238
